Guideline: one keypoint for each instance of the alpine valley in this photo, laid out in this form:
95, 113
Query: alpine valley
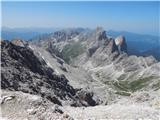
78, 74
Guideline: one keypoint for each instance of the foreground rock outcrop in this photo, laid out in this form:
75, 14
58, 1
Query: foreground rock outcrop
19, 106
23, 71
23, 106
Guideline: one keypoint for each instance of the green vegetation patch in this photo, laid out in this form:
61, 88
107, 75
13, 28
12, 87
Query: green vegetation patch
123, 93
72, 50
122, 85
133, 85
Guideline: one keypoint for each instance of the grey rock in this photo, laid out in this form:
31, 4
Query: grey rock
19, 42
23, 71
103, 73
121, 44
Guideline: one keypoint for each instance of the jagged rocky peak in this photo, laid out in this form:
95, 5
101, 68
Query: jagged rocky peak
19, 42
96, 40
120, 42
66, 34
99, 39
118, 45
100, 33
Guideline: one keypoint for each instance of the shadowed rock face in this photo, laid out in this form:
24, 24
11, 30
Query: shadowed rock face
23, 71
97, 39
121, 44
113, 46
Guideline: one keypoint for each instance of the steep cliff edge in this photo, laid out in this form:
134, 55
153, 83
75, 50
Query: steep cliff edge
23, 70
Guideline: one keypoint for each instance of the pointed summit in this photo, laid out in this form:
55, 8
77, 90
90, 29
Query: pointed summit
120, 42
100, 34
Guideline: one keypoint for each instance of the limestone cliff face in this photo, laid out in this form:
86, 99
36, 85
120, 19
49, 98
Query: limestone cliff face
121, 44
110, 62
97, 39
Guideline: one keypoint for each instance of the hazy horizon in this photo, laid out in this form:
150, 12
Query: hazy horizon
137, 17
43, 30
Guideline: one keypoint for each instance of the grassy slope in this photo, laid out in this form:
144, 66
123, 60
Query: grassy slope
133, 86
72, 50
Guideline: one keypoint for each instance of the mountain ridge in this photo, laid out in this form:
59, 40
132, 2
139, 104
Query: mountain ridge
75, 70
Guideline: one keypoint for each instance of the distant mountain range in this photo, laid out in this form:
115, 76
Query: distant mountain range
24, 33
138, 44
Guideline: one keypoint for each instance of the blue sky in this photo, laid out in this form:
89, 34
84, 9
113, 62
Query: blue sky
140, 17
